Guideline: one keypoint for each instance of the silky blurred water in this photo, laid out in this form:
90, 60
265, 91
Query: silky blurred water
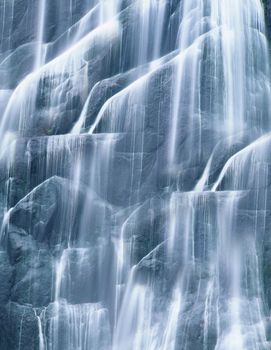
150, 119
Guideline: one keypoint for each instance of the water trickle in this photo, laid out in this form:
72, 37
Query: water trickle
135, 175
40, 30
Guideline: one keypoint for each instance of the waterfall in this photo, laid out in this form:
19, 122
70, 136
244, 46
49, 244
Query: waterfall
135, 175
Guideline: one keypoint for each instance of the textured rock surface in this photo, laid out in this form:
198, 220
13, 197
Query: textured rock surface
135, 175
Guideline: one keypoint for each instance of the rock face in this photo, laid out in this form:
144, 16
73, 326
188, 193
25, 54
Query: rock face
135, 175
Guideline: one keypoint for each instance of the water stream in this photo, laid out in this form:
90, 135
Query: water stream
135, 175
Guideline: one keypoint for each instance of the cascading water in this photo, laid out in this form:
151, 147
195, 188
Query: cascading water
135, 173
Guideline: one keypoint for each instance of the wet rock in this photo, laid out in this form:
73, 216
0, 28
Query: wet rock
57, 103
83, 277
33, 278
36, 212
17, 65
267, 8
266, 251
105, 89
53, 213
133, 159
62, 318
6, 278
19, 328
32, 264
248, 169
144, 228
48, 218
19, 23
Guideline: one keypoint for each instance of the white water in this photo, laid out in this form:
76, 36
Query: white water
146, 254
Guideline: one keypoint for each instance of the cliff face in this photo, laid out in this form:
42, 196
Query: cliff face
267, 10
135, 175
